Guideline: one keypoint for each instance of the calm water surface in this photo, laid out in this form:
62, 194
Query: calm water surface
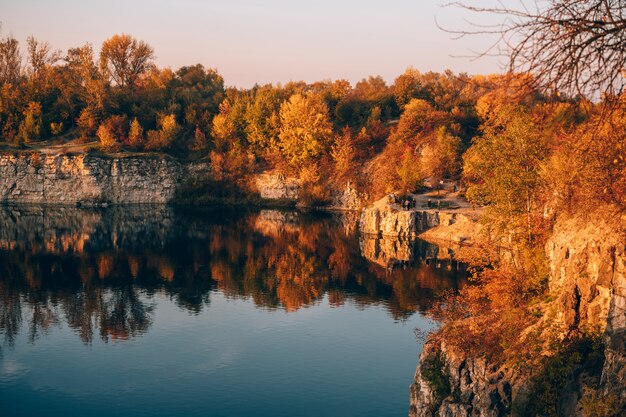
155, 311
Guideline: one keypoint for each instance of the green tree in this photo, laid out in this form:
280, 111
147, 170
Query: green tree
195, 94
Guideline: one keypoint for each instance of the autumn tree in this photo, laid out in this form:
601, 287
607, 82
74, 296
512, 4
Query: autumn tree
135, 134
169, 131
87, 123
194, 95
113, 131
262, 117
104, 134
229, 125
10, 60
124, 59
419, 118
305, 131
31, 126
588, 164
441, 156
502, 169
200, 142
83, 83
409, 171
343, 154
407, 87
40, 56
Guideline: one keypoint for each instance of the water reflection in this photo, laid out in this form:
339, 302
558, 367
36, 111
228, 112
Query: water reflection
98, 270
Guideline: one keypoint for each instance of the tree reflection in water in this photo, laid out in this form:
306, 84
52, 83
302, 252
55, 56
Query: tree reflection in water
99, 270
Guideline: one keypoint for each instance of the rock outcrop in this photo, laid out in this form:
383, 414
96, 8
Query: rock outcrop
388, 221
276, 186
86, 179
587, 259
348, 198
279, 187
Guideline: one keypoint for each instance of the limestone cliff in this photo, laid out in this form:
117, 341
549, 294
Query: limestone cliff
275, 186
387, 221
92, 179
587, 259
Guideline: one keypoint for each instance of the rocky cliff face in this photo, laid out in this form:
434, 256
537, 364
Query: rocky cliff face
587, 259
348, 198
277, 186
92, 180
387, 221
588, 272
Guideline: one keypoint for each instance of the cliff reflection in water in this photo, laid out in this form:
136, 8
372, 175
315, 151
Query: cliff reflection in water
99, 270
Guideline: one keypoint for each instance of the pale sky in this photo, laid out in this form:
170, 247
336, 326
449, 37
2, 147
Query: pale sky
264, 41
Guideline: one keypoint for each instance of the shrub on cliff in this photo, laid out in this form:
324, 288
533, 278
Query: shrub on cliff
435, 372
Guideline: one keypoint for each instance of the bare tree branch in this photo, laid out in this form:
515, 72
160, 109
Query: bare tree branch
576, 47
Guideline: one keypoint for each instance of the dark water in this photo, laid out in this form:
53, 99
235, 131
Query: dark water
156, 311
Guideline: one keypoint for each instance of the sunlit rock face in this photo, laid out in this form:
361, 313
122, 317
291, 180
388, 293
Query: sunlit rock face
588, 271
587, 260
276, 186
92, 180
387, 221
348, 198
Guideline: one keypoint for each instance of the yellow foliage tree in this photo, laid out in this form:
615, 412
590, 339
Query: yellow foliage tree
30, 128
135, 134
409, 171
305, 131
170, 130
107, 139
343, 153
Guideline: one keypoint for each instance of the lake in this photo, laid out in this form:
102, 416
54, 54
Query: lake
161, 311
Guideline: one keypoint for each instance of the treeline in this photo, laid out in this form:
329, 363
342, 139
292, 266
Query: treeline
380, 137
319, 131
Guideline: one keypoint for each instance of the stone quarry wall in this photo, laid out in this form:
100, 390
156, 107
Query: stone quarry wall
92, 179
278, 186
387, 221
587, 259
